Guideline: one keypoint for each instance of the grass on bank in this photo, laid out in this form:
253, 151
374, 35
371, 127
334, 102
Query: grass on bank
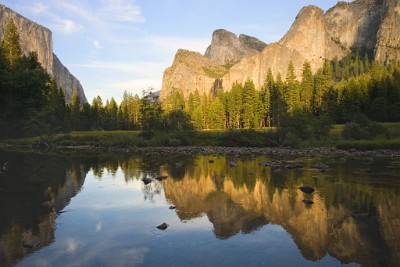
231, 138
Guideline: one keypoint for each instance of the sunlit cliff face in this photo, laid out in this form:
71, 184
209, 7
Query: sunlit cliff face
353, 223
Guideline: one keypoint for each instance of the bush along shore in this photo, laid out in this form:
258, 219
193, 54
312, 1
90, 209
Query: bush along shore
349, 137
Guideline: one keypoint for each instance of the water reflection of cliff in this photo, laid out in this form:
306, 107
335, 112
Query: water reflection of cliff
350, 220
33, 190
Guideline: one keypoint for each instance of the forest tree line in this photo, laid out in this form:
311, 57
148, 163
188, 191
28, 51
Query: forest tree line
341, 91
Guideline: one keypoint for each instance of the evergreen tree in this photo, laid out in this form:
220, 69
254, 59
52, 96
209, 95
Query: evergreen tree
278, 104
307, 86
292, 92
217, 115
234, 106
174, 100
10, 44
265, 99
248, 107
75, 108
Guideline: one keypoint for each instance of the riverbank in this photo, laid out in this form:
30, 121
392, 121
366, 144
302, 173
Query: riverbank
213, 150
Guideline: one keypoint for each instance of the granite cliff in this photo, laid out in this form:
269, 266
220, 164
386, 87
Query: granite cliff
36, 38
365, 25
226, 48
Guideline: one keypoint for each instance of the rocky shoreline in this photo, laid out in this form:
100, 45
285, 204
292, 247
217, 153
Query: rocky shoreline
217, 150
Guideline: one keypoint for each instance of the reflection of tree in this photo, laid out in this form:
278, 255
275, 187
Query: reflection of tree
152, 189
355, 215
38, 186
351, 218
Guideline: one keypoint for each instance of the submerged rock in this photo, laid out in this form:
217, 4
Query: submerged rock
233, 164
163, 226
146, 180
306, 189
161, 177
308, 202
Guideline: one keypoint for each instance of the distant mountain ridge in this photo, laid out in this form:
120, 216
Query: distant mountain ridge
365, 25
36, 38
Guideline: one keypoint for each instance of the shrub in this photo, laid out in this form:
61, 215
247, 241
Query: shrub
251, 138
354, 131
365, 131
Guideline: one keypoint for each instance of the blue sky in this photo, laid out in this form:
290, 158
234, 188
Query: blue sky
117, 45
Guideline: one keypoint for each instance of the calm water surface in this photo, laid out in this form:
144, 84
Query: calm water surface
95, 210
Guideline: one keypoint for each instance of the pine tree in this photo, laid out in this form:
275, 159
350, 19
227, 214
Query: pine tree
307, 86
234, 106
249, 103
217, 114
265, 98
278, 104
292, 91
75, 108
10, 44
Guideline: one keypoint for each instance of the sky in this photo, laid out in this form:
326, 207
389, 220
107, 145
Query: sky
113, 46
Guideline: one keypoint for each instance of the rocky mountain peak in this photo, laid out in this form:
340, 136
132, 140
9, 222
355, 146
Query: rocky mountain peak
226, 48
364, 25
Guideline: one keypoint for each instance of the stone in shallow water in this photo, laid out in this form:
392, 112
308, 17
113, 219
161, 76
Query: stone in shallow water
161, 177
308, 202
306, 189
146, 180
163, 226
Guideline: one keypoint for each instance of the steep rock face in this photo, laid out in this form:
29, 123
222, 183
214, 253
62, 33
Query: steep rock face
36, 38
307, 39
387, 48
66, 80
226, 48
355, 25
191, 71
367, 25
33, 37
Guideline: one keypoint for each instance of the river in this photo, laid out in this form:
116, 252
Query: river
86, 209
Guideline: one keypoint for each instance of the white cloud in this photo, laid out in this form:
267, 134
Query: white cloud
38, 8
137, 84
96, 44
121, 11
68, 26
142, 68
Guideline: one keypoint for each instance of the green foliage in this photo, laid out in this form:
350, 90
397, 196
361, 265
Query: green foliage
10, 45
215, 72
364, 130
178, 120
248, 138
30, 101
299, 126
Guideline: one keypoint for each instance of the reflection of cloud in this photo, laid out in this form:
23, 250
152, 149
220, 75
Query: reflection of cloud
72, 244
98, 227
